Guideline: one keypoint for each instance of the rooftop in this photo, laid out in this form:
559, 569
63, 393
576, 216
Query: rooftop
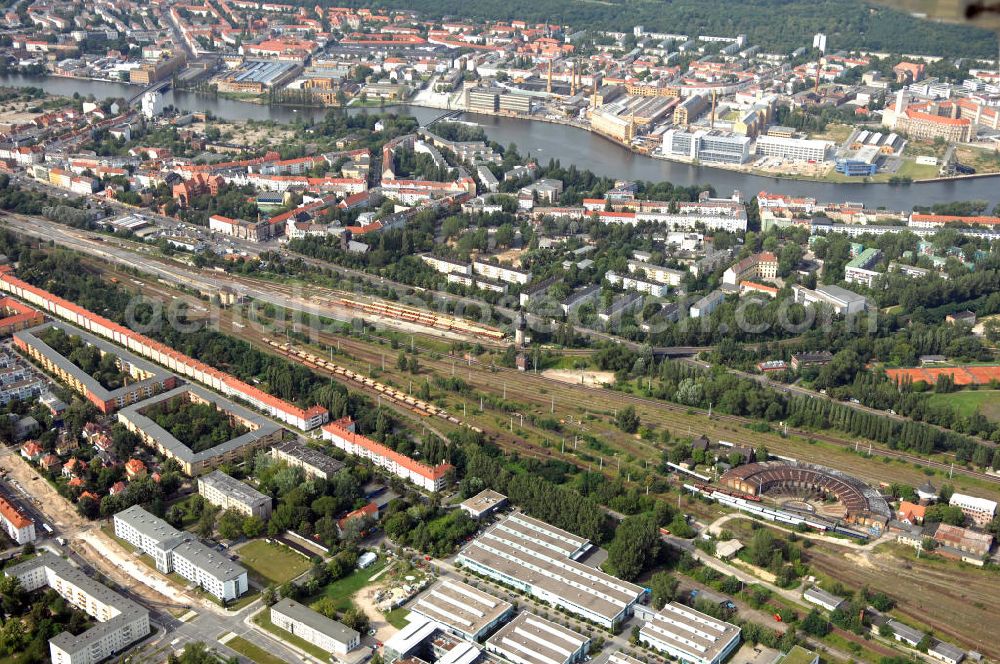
241, 491
690, 631
534, 640
303, 614
484, 500
460, 606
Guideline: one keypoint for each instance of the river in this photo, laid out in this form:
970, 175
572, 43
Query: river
571, 146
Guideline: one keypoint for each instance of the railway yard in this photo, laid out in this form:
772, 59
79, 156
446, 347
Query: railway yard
534, 415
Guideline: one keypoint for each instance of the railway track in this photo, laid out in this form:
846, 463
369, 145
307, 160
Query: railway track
525, 387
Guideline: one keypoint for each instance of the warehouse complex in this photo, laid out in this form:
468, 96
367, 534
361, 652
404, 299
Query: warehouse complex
262, 431
146, 378
689, 635
178, 551
529, 639
462, 609
120, 621
539, 559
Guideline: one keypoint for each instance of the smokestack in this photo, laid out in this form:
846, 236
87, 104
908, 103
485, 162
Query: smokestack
593, 98
549, 87
712, 125
816, 89
572, 80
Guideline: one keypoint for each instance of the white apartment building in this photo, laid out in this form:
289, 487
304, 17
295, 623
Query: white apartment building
120, 621
501, 273
446, 266
315, 628
177, 551
689, 635
664, 275
18, 527
229, 493
794, 149
638, 284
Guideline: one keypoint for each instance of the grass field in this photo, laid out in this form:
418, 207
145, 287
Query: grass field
969, 402
342, 590
251, 651
397, 618
272, 563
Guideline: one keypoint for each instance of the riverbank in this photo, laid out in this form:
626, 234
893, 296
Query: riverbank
567, 143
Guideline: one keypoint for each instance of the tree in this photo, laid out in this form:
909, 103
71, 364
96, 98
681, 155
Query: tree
664, 588
636, 546
230, 525
627, 420
356, 619
815, 624
253, 526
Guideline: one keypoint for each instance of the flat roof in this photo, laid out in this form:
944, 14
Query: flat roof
128, 359
910, 633
126, 609
149, 525
691, 631
459, 606
134, 414
484, 500
209, 560
307, 456
537, 554
408, 638
798, 655
529, 639
317, 621
231, 486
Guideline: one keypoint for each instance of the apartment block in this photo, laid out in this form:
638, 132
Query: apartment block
120, 621
231, 494
178, 551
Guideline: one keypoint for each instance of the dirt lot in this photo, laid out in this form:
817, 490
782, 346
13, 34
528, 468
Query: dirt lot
591, 378
958, 602
85, 537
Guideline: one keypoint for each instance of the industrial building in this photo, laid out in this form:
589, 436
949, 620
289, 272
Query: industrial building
706, 145
794, 149
542, 560
178, 551
258, 76
529, 639
980, 510
334, 637
120, 621
231, 494
842, 301
484, 503
689, 635
461, 609
146, 378
261, 431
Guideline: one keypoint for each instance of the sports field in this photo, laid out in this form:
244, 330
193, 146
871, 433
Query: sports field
969, 402
273, 563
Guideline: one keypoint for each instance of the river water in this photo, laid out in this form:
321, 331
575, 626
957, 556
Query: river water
570, 145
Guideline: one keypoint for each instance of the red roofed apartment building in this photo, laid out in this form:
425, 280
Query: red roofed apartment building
20, 528
341, 434
17, 316
301, 418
